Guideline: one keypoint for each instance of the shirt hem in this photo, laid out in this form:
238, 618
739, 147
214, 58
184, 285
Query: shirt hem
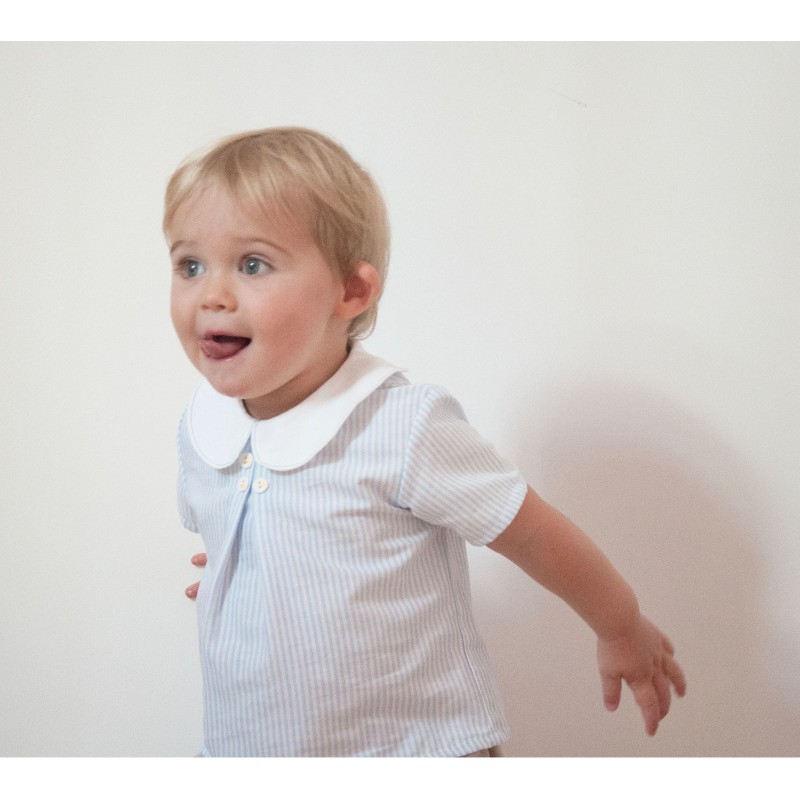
460, 750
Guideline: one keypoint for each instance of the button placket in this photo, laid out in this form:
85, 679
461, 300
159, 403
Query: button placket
246, 463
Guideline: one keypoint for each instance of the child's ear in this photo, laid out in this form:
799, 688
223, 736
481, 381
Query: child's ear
361, 290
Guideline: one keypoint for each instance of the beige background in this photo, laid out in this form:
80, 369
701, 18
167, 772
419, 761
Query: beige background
595, 249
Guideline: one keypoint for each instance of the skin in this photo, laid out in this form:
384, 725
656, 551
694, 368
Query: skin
238, 274
630, 649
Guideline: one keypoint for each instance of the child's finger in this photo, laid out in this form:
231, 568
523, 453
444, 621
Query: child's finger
675, 674
649, 704
612, 690
663, 693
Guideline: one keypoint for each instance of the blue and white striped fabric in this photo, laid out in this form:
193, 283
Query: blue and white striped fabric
334, 613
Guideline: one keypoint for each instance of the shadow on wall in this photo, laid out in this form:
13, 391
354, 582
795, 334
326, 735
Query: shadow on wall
677, 512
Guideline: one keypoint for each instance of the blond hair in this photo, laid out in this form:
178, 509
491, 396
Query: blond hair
307, 175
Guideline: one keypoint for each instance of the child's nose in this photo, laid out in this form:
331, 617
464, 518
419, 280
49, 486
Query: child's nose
217, 294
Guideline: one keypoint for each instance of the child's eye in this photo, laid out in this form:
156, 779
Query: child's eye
252, 265
190, 268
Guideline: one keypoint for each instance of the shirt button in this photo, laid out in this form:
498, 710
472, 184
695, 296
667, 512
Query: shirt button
261, 485
246, 460
243, 484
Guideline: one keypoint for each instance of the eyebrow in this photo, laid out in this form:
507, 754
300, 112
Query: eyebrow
241, 240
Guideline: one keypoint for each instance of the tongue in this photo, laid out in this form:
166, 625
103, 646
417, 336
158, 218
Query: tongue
223, 346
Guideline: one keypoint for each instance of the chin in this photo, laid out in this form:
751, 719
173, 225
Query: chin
228, 388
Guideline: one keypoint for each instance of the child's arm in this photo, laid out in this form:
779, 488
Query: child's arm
559, 556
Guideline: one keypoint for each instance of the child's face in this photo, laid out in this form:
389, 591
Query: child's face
255, 305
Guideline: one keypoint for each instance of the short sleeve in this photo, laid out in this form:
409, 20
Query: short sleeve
455, 479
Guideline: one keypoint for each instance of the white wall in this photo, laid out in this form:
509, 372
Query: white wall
595, 248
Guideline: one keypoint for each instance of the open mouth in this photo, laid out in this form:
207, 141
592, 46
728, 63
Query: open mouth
219, 346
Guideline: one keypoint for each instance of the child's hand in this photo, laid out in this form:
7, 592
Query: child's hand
198, 560
644, 660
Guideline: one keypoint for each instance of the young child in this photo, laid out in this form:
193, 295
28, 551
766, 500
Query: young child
334, 497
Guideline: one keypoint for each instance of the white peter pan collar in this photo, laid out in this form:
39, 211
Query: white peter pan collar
219, 426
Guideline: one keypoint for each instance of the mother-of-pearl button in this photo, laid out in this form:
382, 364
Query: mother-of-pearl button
243, 484
246, 460
261, 485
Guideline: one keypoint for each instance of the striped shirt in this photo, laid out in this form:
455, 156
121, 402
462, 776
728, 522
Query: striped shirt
334, 613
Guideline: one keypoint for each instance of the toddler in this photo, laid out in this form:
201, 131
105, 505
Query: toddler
335, 498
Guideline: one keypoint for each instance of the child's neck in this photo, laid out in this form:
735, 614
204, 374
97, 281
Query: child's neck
300, 387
